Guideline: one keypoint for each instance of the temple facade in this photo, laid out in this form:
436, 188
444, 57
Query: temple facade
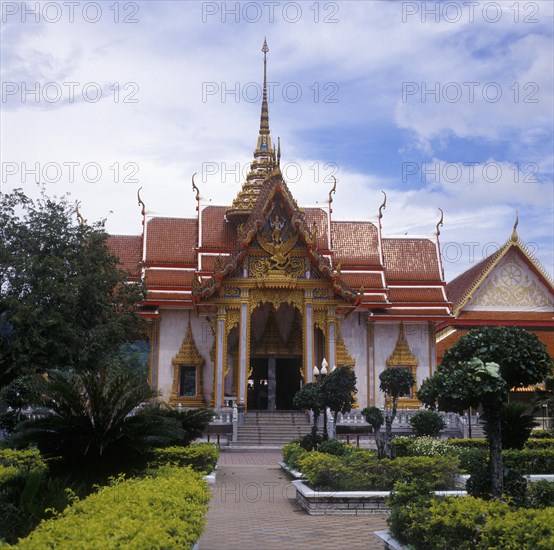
244, 300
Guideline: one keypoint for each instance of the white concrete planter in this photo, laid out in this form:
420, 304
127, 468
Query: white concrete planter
389, 542
347, 502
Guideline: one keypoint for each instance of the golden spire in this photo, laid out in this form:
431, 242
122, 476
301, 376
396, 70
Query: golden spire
264, 118
263, 164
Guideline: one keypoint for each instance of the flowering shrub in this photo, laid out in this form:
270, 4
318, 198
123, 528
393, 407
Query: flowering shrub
165, 510
427, 446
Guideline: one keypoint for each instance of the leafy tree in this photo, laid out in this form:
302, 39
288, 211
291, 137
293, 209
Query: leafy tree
395, 382
515, 423
95, 422
427, 423
338, 390
480, 369
375, 418
309, 397
64, 303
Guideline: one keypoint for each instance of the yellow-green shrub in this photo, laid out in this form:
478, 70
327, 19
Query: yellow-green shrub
164, 510
292, 453
519, 530
361, 471
201, 457
7, 473
467, 523
30, 459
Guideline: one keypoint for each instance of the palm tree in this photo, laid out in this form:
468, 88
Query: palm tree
94, 422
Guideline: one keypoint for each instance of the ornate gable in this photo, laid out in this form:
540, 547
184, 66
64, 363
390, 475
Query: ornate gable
276, 247
511, 284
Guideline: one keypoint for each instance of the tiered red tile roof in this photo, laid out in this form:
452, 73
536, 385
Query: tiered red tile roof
392, 278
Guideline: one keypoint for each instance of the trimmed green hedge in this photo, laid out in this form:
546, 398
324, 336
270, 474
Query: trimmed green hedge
467, 523
469, 443
539, 443
201, 457
361, 471
164, 510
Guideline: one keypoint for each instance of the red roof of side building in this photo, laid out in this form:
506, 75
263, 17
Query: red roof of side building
217, 233
168, 278
128, 248
355, 244
411, 260
171, 241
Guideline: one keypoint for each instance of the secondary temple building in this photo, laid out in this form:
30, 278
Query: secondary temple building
245, 299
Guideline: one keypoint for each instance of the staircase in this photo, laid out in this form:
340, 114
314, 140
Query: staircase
271, 429
477, 431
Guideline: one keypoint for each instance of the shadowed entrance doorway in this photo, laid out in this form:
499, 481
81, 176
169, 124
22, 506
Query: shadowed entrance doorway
273, 383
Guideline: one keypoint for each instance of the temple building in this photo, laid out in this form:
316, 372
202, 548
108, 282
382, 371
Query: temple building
507, 288
245, 299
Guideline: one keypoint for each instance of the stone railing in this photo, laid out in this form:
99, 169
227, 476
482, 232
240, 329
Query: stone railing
455, 424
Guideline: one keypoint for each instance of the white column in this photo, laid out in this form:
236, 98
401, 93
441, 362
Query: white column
243, 344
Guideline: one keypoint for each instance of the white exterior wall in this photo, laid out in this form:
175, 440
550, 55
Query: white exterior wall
173, 326
354, 334
386, 336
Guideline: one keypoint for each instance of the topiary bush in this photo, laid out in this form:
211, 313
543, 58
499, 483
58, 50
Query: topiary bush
542, 434
311, 442
427, 423
164, 510
201, 457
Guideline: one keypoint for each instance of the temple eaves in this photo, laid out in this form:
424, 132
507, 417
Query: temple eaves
263, 164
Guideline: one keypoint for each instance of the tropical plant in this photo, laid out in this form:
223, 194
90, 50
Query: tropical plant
193, 421
93, 422
516, 425
427, 423
395, 382
479, 370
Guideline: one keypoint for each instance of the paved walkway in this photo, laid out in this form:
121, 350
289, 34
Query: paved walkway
254, 508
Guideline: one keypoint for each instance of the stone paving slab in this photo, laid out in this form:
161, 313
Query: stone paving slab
253, 507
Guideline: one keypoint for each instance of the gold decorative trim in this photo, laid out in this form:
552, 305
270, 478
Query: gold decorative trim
187, 356
402, 355
343, 357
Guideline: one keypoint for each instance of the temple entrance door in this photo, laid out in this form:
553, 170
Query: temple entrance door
273, 383
258, 391
287, 381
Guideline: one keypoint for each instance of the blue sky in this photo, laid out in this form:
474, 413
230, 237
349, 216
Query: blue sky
438, 106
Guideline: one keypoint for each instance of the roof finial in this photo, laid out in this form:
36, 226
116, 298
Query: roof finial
278, 151
440, 224
383, 206
141, 203
194, 188
515, 236
333, 190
